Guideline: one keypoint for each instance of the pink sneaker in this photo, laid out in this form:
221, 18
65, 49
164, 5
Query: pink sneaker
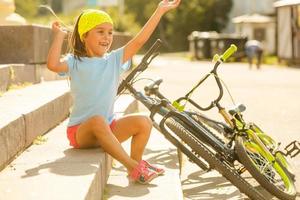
142, 174
158, 171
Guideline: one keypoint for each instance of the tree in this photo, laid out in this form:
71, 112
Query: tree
192, 15
28, 8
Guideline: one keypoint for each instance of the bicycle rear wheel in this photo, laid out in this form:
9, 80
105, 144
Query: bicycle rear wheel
272, 176
223, 168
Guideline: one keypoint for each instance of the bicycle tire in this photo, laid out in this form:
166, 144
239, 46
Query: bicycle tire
213, 128
228, 172
250, 162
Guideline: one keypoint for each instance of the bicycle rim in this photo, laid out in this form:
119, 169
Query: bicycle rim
272, 176
222, 167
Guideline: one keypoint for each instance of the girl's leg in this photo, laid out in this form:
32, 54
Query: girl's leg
139, 128
94, 132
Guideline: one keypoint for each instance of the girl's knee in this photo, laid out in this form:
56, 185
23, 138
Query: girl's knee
145, 123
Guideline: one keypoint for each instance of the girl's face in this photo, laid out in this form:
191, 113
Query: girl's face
98, 40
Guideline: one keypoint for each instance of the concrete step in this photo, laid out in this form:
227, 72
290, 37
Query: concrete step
24, 74
51, 169
160, 152
29, 112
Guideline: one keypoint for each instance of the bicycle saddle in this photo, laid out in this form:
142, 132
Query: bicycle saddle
237, 109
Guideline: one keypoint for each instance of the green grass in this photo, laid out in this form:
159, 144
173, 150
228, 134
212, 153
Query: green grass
18, 86
270, 60
267, 59
183, 54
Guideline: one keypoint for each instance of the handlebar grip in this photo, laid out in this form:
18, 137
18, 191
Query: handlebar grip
152, 49
228, 52
154, 83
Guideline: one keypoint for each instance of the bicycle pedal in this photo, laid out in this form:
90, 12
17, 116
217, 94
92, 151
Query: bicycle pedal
292, 149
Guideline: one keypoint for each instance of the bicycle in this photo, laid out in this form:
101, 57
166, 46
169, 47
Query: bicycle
186, 132
259, 153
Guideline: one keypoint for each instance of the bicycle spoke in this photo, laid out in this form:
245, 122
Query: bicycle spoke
267, 170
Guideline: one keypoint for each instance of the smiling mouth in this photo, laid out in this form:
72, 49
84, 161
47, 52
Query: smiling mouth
104, 45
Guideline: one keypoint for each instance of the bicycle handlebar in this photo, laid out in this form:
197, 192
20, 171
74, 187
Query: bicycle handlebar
228, 52
151, 53
221, 59
153, 49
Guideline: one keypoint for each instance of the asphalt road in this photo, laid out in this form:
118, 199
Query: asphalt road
271, 95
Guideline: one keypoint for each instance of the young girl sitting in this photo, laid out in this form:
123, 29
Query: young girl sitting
94, 73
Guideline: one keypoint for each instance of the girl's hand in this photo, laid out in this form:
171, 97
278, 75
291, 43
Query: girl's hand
58, 29
166, 5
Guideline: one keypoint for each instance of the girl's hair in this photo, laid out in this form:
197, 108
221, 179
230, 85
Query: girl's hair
77, 46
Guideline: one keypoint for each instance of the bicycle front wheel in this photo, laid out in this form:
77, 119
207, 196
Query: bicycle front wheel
272, 176
222, 167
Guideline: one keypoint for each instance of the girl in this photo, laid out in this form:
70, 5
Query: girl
94, 82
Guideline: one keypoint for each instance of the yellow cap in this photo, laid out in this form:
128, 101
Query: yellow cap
91, 18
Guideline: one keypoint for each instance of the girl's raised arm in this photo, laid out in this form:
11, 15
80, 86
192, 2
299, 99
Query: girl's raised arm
132, 47
53, 61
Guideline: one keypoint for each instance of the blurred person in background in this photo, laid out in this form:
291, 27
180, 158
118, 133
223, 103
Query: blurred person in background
254, 49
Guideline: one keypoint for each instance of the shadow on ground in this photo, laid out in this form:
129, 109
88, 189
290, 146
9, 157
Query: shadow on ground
209, 185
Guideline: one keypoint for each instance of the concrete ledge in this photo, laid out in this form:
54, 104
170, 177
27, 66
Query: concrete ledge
24, 44
29, 44
29, 112
53, 170
12, 140
4, 78
44, 118
18, 74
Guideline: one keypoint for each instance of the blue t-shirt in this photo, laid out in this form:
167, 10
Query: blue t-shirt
94, 85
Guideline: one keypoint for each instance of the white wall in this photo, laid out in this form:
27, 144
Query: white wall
70, 5
247, 29
243, 7
284, 32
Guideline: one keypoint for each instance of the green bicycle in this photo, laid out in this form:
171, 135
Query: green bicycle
230, 148
256, 151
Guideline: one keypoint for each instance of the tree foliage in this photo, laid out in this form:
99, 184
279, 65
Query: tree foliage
192, 15
174, 28
28, 8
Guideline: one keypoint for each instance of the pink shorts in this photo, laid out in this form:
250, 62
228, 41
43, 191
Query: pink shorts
72, 130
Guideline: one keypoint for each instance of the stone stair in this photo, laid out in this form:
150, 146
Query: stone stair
43, 164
